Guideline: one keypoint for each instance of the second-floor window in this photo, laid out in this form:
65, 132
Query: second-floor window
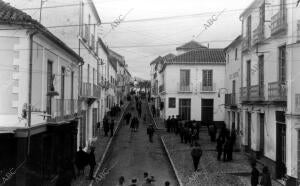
248, 29
235, 54
184, 79
248, 75
282, 64
207, 79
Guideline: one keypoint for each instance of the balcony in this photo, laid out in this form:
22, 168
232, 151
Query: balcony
161, 88
246, 43
256, 93
258, 34
277, 91
96, 91
244, 94
86, 90
63, 109
184, 88
279, 22
205, 88
230, 99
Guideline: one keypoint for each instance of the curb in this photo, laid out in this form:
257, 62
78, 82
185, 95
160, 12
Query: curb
172, 163
108, 145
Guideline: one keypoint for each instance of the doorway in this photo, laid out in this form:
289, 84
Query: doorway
280, 144
207, 111
249, 130
262, 133
185, 109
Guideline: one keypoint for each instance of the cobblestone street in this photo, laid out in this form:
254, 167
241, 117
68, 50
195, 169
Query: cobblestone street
211, 172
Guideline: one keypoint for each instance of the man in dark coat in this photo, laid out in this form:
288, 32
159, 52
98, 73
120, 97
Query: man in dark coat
150, 132
112, 127
254, 175
219, 148
181, 131
196, 154
168, 123
127, 117
81, 161
92, 163
172, 124
226, 149
105, 125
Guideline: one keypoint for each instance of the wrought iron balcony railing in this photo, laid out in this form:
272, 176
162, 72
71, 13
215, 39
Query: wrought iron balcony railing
277, 91
230, 99
208, 88
161, 88
256, 93
63, 109
258, 34
86, 90
279, 22
184, 88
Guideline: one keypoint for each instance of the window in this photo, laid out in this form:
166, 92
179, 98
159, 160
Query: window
236, 54
184, 80
49, 85
172, 102
227, 58
62, 82
282, 64
72, 85
207, 80
248, 34
88, 73
248, 73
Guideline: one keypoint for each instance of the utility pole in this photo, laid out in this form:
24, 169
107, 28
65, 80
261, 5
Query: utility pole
41, 7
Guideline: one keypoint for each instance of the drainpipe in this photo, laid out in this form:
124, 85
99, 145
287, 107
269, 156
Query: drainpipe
30, 87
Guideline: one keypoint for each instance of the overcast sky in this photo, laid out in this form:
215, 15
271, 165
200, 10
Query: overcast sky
135, 40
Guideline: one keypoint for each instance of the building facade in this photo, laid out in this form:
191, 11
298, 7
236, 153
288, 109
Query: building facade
39, 104
232, 87
269, 89
190, 83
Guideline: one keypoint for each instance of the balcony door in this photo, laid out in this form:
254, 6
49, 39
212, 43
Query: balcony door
184, 80
261, 75
262, 133
282, 64
207, 79
49, 85
249, 130
248, 78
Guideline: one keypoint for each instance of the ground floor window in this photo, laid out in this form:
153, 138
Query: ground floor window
185, 109
298, 153
94, 119
172, 102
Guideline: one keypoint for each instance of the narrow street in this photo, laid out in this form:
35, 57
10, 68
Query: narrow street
132, 156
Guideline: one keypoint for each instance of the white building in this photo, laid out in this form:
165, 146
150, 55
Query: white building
39, 106
270, 85
190, 85
232, 87
77, 26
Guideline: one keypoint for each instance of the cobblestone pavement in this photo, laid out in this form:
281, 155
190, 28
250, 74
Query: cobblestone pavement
211, 172
100, 145
132, 155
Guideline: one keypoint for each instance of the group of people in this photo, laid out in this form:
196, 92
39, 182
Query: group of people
108, 125
187, 130
265, 176
83, 159
225, 143
147, 181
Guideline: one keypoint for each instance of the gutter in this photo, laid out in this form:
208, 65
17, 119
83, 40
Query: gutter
34, 32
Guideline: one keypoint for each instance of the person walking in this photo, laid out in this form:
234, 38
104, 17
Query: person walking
150, 132
254, 175
133, 182
168, 124
266, 178
92, 163
196, 154
105, 125
226, 149
167, 183
112, 127
127, 117
81, 161
219, 148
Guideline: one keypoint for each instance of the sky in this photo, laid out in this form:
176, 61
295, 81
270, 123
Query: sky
179, 21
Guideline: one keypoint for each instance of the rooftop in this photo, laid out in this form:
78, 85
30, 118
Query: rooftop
200, 56
192, 45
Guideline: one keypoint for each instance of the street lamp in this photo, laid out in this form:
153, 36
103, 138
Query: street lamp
220, 91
